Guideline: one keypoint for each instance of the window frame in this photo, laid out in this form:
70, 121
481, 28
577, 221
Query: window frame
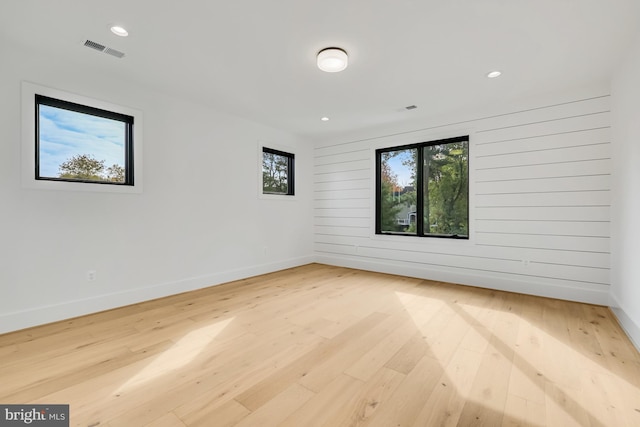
419, 188
93, 111
290, 171
28, 146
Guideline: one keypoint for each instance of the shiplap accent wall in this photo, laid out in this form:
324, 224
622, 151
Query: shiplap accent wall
539, 204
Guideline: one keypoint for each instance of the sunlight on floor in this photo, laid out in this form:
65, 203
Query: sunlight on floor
179, 355
546, 374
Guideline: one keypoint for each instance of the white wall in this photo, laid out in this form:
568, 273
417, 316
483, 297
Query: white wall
626, 196
539, 192
198, 222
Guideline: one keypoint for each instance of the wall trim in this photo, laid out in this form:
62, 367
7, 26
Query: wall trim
631, 328
589, 296
10, 322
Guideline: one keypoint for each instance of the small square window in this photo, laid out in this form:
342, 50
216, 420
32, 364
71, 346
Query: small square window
79, 143
277, 172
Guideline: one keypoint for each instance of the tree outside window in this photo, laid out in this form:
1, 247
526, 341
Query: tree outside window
277, 172
423, 189
80, 143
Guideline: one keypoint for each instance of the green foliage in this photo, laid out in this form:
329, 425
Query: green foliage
390, 207
275, 171
445, 178
87, 168
115, 173
447, 198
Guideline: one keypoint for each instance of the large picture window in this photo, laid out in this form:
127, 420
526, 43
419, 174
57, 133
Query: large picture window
278, 173
79, 143
423, 189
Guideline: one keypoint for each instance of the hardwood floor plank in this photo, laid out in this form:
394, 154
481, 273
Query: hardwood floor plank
521, 412
381, 352
487, 398
270, 387
325, 404
226, 415
405, 403
324, 371
445, 403
276, 410
328, 346
167, 420
359, 409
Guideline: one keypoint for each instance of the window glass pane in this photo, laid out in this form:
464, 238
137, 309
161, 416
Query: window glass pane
446, 191
398, 191
78, 146
275, 173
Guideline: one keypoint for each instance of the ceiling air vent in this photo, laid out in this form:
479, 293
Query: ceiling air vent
411, 107
104, 49
114, 52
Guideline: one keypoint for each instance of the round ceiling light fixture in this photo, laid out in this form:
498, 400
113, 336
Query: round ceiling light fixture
494, 74
119, 31
332, 59
325, 119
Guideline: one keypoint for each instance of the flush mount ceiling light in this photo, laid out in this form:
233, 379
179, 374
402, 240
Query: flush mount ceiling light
325, 119
332, 59
119, 31
494, 74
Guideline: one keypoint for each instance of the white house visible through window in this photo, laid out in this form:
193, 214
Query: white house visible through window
278, 173
79, 143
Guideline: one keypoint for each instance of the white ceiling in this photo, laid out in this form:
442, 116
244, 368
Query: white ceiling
256, 58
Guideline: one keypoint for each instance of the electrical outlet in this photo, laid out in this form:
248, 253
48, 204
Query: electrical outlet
91, 275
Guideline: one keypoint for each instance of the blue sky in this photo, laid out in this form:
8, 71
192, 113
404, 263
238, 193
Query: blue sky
64, 134
401, 171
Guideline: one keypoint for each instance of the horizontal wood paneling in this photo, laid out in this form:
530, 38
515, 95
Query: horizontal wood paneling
565, 198
353, 202
539, 207
548, 156
597, 182
342, 166
343, 213
358, 174
549, 127
350, 156
547, 213
343, 222
559, 168
343, 230
545, 241
556, 141
547, 113
574, 258
343, 195
547, 273
557, 228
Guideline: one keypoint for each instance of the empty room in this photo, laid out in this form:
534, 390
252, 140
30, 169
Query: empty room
337, 213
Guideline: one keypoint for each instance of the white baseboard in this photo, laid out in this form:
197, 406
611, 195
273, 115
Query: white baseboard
590, 296
631, 328
52, 313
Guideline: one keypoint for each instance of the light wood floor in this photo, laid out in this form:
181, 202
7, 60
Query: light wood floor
327, 346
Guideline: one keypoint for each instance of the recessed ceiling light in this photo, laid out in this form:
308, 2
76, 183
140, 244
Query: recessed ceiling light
494, 74
119, 31
325, 119
332, 59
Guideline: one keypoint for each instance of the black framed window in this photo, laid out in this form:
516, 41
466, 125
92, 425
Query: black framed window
423, 189
278, 173
80, 143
